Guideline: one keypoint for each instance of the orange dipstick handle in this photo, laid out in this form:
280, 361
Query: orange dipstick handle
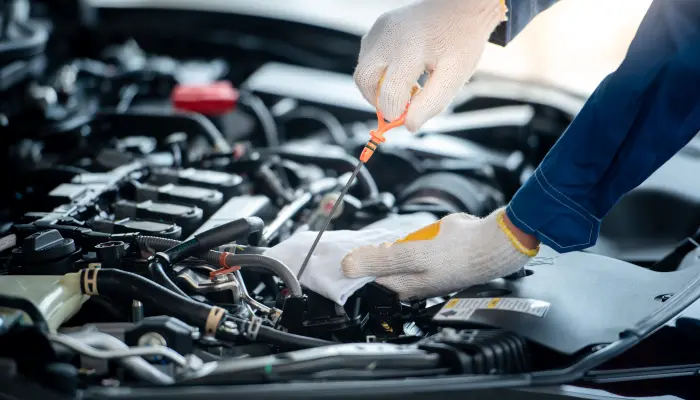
377, 135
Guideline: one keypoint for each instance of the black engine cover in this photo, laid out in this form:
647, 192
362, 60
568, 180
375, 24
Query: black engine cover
567, 302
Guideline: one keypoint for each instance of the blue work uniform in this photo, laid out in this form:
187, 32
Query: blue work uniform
636, 120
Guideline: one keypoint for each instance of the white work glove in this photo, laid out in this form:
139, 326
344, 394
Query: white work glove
456, 252
443, 37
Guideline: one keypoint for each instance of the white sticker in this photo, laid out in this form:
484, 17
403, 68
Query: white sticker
462, 309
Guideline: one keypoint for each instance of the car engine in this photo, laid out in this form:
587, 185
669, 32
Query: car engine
143, 188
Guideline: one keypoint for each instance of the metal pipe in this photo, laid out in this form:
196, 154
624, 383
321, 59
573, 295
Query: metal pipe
136, 365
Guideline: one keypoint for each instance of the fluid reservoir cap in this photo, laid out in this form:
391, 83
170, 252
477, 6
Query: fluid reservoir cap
44, 246
209, 99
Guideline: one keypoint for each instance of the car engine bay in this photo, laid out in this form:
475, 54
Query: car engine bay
142, 189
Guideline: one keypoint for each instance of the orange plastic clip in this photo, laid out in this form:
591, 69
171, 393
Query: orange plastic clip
377, 135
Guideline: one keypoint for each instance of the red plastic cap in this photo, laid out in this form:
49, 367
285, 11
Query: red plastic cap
209, 99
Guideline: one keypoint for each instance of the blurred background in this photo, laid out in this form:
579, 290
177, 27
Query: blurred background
573, 45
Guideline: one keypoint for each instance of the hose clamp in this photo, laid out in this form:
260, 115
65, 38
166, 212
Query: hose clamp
253, 327
89, 276
216, 314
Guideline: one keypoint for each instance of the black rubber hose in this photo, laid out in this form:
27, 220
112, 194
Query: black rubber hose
279, 338
121, 284
286, 339
249, 228
179, 252
155, 269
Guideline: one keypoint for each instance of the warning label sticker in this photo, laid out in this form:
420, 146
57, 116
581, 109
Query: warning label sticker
462, 309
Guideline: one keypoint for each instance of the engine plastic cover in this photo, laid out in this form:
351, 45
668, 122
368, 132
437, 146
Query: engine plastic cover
568, 301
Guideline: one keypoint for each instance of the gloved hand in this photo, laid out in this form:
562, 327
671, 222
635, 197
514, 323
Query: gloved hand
456, 252
444, 37
323, 274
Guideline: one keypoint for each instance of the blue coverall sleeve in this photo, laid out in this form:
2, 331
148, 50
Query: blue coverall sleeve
635, 121
520, 13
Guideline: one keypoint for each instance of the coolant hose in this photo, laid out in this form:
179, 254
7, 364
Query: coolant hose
155, 244
121, 284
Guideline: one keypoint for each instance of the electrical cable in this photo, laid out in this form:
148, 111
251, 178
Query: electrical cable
89, 351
